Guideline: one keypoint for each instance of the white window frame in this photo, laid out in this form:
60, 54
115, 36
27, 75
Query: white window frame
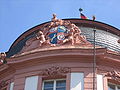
116, 86
54, 82
11, 85
77, 81
100, 82
28, 84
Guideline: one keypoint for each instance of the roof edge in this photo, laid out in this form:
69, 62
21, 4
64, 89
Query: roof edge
73, 20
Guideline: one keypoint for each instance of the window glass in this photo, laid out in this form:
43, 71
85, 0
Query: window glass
48, 85
77, 81
111, 87
54, 85
118, 87
61, 85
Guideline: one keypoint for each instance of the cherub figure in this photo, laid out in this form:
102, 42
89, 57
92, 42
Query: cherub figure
41, 37
2, 58
2, 55
55, 21
79, 39
70, 38
54, 17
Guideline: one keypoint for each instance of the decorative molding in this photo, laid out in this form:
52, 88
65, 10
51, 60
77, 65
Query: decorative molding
69, 34
113, 75
2, 56
110, 73
3, 67
55, 71
72, 35
3, 84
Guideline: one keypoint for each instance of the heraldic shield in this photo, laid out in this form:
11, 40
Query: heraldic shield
57, 34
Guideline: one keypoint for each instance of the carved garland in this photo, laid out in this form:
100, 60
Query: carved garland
3, 84
55, 71
113, 75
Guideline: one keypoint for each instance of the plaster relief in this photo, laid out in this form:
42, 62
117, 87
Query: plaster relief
56, 33
3, 84
55, 71
2, 58
114, 75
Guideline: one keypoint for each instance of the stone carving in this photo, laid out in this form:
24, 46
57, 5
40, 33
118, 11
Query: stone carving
54, 17
56, 33
3, 84
55, 71
40, 37
113, 75
119, 41
2, 58
72, 35
2, 55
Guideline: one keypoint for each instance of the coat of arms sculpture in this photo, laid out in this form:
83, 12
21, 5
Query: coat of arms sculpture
55, 33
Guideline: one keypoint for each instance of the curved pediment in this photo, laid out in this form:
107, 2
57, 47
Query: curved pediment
56, 33
66, 33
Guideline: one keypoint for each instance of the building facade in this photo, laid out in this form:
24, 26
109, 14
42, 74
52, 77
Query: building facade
68, 54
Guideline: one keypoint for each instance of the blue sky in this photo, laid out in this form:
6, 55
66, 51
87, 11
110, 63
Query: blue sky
17, 16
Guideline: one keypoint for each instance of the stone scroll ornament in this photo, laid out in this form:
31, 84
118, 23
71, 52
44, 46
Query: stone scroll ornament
55, 71
3, 84
114, 75
58, 32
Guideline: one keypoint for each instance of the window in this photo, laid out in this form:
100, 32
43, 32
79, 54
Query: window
31, 83
99, 82
4, 85
118, 87
77, 81
11, 85
54, 85
113, 87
